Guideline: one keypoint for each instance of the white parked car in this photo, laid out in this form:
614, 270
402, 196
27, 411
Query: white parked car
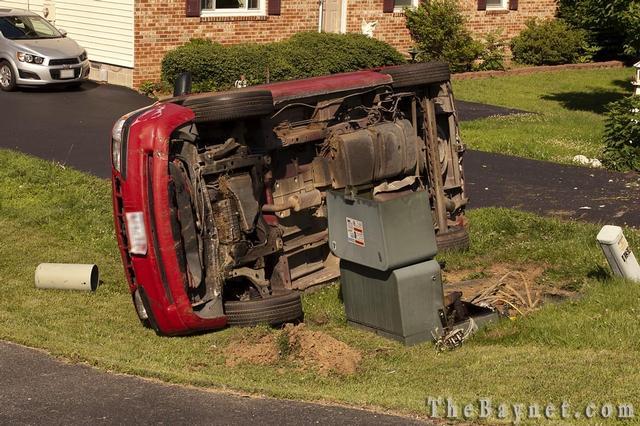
35, 53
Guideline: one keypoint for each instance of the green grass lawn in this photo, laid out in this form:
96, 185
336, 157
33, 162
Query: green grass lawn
580, 351
568, 109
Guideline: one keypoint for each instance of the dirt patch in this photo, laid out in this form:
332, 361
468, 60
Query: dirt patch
308, 349
513, 290
263, 352
470, 281
322, 351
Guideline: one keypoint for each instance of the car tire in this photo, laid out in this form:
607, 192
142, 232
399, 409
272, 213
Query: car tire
7, 77
231, 105
455, 239
418, 74
272, 310
146, 319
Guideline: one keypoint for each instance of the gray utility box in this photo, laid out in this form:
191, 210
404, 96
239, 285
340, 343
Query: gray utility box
382, 235
404, 304
390, 285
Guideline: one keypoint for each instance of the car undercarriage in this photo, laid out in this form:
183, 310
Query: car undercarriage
249, 174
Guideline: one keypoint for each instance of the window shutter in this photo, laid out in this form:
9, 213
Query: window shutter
274, 7
482, 4
193, 8
513, 4
388, 6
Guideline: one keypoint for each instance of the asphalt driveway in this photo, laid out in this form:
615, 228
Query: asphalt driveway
71, 127
549, 189
36, 389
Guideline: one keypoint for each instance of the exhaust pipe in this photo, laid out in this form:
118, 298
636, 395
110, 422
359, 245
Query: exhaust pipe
67, 276
182, 85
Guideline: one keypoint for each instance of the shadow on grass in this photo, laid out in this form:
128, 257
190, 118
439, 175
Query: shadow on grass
593, 101
623, 84
599, 273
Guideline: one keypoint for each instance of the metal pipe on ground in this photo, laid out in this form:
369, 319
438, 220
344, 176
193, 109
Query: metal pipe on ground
67, 276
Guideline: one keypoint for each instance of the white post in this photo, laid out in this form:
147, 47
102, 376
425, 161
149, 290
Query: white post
618, 253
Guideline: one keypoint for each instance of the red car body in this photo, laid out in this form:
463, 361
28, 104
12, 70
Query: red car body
145, 190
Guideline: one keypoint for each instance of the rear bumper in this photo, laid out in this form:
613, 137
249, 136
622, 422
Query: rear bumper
146, 189
40, 75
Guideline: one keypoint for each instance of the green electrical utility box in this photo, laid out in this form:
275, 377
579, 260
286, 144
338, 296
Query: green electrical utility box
404, 304
382, 235
390, 284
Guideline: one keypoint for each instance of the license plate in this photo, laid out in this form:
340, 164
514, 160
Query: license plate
136, 232
66, 74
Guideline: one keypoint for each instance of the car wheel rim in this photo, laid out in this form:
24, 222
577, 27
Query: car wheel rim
5, 76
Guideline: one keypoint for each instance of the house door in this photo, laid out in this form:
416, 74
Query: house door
332, 16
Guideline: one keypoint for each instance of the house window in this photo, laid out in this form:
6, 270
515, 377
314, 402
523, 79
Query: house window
497, 4
399, 5
233, 7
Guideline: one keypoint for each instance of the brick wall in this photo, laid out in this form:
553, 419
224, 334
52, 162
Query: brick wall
391, 26
161, 25
512, 22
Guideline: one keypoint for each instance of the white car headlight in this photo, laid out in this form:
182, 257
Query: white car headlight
29, 58
116, 143
117, 140
116, 154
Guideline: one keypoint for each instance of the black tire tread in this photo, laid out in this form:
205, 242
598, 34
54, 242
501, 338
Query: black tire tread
418, 74
231, 105
273, 310
456, 239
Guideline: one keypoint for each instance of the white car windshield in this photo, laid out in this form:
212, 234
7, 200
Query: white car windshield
27, 28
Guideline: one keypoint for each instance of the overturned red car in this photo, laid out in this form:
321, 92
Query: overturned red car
219, 198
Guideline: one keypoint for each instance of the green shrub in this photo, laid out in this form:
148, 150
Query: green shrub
438, 28
492, 56
622, 135
611, 25
151, 88
550, 42
147, 87
215, 67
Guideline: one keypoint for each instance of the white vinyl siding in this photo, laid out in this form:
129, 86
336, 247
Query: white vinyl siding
103, 27
35, 5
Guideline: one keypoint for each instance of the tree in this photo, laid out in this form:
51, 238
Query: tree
612, 25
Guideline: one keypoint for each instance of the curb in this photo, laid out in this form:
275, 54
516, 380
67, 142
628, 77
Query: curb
534, 70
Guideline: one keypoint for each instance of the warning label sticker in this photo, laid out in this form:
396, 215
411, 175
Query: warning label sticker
355, 232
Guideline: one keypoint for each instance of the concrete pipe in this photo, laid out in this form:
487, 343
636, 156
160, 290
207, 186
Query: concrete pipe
67, 276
